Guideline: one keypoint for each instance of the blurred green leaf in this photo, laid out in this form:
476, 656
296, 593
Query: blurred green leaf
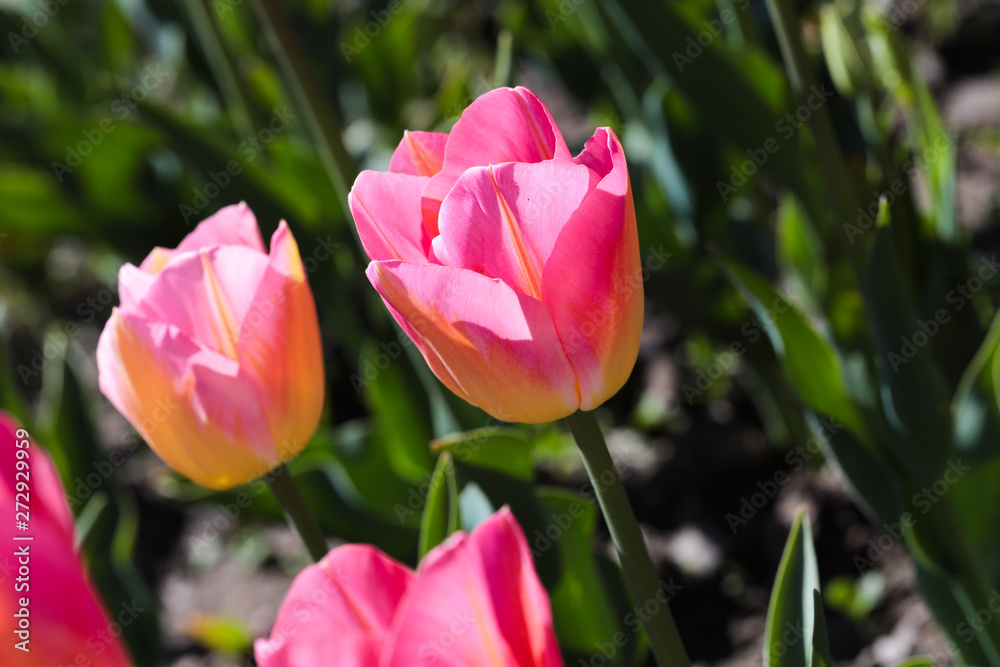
441, 513
809, 362
913, 390
790, 636
506, 450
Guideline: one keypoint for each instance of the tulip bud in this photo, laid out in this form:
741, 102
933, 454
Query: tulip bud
214, 354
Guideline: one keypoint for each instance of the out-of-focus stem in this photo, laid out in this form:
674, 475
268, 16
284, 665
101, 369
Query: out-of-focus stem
297, 512
321, 119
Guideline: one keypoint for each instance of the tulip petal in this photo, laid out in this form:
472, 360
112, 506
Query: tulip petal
232, 225
179, 395
419, 153
491, 345
386, 209
503, 221
597, 304
476, 601
218, 284
46, 488
503, 125
62, 600
337, 612
278, 346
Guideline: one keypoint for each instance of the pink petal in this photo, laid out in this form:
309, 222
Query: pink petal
476, 601
489, 344
597, 304
387, 211
279, 348
62, 600
229, 337
218, 285
49, 499
337, 612
419, 153
503, 221
232, 225
504, 125
197, 409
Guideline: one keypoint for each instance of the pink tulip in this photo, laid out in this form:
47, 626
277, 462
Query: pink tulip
65, 623
214, 355
475, 601
511, 264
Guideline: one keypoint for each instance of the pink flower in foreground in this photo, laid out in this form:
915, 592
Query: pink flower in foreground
510, 263
475, 601
214, 355
46, 600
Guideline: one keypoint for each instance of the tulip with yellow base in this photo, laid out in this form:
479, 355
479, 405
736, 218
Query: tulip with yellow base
214, 353
214, 356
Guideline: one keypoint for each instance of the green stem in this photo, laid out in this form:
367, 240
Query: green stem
320, 117
220, 61
301, 520
639, 571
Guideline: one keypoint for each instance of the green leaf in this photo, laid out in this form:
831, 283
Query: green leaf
401, 414
976, 404
585, 618
32, 203
790, 638
800, 250
914, 392
441, 513
66, 427
821, 639
808, 361
505, 450
951, 609
873, 483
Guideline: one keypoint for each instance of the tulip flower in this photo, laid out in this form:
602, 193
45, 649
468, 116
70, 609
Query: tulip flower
214, 354
511, 264
50, 613
474, 601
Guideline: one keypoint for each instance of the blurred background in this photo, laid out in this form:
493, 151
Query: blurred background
124, 123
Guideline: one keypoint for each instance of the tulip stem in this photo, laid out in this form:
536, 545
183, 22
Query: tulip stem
640, 573
297, 512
